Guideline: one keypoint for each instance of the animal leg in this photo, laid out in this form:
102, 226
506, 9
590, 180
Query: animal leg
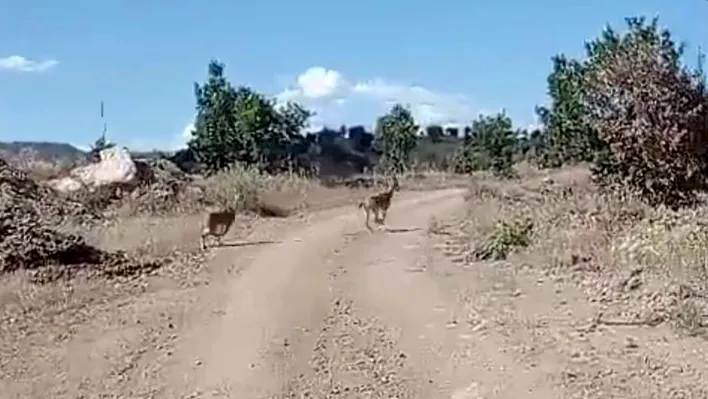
382, 225
379, 216
368, 215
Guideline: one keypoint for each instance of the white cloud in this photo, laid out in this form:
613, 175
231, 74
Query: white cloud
187, 132
319, 82
18, 63
181, 140
337, 100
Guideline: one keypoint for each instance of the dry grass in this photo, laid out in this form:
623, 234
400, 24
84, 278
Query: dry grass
286, 194
646, 263
261, 194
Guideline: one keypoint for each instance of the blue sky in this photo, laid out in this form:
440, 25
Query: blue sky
449, 59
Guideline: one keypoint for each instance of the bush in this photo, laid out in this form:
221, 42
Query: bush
651, 112
247, 188
490, 146
396, 137
504, 239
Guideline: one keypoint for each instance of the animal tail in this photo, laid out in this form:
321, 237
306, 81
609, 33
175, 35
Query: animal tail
361, 204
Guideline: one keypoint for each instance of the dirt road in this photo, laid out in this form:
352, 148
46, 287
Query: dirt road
320, 308
291, 297
333, 311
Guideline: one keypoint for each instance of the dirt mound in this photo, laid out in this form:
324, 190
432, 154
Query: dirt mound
162, 187
28, 240
16, 187
159, 187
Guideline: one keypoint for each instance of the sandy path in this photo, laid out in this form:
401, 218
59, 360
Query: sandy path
262, 337
402, 281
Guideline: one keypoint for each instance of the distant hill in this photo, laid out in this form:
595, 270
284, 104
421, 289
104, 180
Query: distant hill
49, 151
44, 150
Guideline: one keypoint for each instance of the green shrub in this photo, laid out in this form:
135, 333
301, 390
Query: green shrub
651, 112
505, 238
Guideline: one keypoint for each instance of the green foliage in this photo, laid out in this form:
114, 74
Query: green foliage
505, 238
239, 125
531, 145
396, 136
490, 146
651, 112
435, 132
632, 110
569, 136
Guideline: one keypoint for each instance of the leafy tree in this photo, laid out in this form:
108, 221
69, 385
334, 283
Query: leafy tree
569, 135
651, 111
531, 144
452, 131
216, 123
361, 138
237, 124
395, 137
491, 146
435, 132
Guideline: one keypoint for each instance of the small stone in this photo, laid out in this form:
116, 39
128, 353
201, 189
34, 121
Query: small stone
631, 343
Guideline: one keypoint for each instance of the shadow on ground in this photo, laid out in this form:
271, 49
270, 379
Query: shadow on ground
401, 229
247, 243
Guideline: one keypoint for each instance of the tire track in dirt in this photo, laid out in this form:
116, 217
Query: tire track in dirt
448, 357
356, 354
407, 330
263, 337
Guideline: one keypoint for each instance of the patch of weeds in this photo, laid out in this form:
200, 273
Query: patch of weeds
689, 318
506, 237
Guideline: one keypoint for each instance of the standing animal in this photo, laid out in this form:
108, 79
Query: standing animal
379, 203
217, 223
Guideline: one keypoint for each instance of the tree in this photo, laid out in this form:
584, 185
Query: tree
395, 137
215, 124
435, 132
491, 146
452, 131
361, 138
237, 124
569, 135
651, 111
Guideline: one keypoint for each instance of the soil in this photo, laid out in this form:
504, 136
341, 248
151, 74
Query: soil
321, 308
